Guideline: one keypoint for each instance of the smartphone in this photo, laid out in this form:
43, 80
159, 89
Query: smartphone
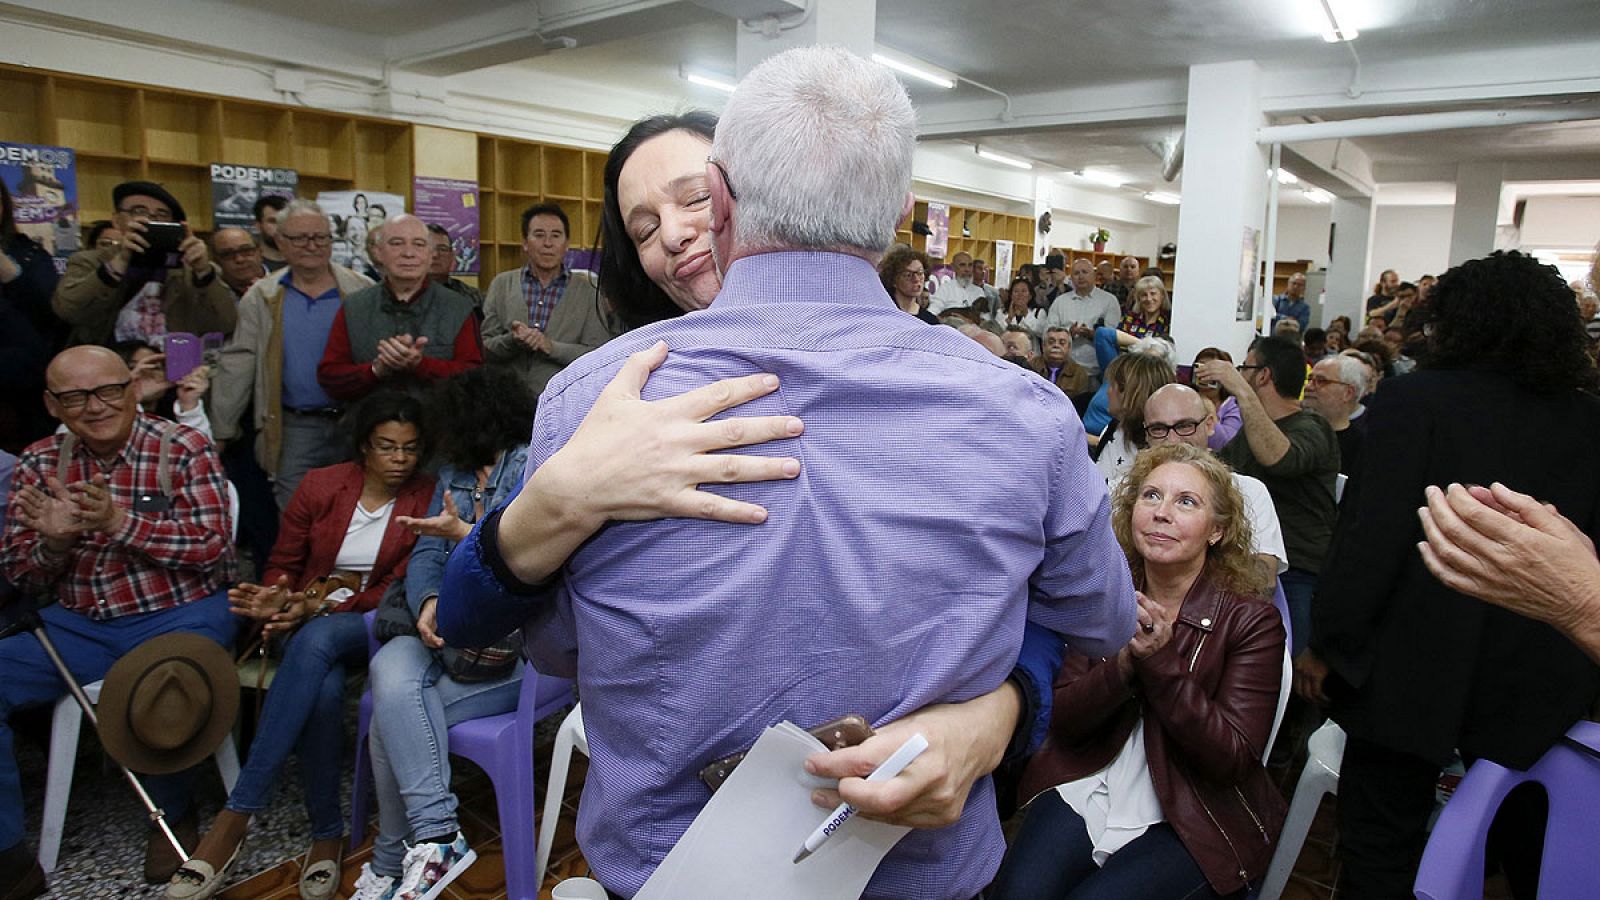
163, 238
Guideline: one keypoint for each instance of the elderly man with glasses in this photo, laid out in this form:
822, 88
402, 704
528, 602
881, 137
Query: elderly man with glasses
239, 258
1334, 391
114, 293
122, 519
272, 360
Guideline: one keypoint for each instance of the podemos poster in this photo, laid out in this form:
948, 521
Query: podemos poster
43, 182
938, 228
235, 190
452, 204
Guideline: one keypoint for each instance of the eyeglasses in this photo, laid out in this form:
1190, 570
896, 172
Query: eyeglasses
732, 194
912, 273
385, 448
321, 239
1245, 368
144, 212
109, 394
236, 252
1317, 381
1159, 430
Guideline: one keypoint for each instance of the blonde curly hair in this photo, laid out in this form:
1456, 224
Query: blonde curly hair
1229, 562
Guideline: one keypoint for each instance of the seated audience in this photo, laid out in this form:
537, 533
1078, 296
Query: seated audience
343, 523
1395, 339
1081, 310
985, 338
1412, 670
1288, 329
269, 368
1374, 366
404, 333
1226, 407
1336, 342
1156, 751
1292, 451
127, 549
110, 294
482, 419
182, 402
1018, 341
442, 266
1315, 344
1149, 314
1130, 380
1334, 390
904, 273
1018, 310
541, 317
1060, 369
958, 291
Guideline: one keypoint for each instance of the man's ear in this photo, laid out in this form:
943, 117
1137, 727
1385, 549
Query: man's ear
52, 407
722, 201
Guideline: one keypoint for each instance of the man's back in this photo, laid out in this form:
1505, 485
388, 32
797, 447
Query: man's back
890, 575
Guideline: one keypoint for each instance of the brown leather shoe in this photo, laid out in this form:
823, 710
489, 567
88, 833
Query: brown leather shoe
160, 860
21, 876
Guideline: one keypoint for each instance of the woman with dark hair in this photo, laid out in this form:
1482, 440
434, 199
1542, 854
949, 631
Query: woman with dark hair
343, 524
1229, 419
1151, 783
30, 333
656, 263
904, 273
483, 418
1411, 669
1017, 309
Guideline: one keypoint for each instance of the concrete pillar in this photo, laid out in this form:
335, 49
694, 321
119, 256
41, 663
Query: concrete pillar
851, 24
1224, 194
1472, 229
1347, 286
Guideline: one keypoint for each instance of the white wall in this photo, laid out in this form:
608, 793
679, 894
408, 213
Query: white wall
1561, 222
1303, 234
1412, 240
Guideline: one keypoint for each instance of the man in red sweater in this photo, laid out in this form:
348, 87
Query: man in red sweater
405, 332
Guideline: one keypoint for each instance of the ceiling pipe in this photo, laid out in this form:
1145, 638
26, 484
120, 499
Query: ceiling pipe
1441, 121
1172, 160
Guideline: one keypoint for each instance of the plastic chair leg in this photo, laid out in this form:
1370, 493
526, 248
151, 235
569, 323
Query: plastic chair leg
513, 791
65, 724
560, 762
1318, 779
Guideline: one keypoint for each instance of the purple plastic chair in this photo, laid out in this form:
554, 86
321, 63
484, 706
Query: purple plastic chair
502, 746
1452, 866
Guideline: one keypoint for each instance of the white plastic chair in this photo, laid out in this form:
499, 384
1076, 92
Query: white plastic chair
1338, 488
1284, 690
1321, 776
64, 728
569, 738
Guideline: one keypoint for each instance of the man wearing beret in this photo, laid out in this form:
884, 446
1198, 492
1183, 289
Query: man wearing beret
107, 295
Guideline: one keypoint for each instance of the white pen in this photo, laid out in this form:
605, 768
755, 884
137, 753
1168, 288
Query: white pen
841, 814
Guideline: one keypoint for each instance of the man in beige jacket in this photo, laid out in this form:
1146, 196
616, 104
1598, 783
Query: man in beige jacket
272, 358
541, 317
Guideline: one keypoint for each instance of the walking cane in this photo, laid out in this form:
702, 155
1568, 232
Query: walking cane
29, 621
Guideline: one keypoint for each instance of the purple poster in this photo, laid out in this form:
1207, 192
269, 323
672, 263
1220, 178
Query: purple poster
939, 228
453, 204
43, 182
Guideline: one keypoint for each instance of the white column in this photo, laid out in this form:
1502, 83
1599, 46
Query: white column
1224, 192
1472, 229
1347, 285
851, 24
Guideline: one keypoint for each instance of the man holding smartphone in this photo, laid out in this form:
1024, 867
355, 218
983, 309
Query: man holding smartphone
159, 279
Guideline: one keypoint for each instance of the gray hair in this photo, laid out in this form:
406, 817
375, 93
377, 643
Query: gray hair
817, 144
301, 207
1159, 348
1353, 372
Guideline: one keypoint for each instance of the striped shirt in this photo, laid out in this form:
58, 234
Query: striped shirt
157, 559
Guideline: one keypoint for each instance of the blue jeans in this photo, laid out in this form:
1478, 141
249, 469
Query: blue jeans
1051, 859
304, 712
1298, 586
89, 647
413, 705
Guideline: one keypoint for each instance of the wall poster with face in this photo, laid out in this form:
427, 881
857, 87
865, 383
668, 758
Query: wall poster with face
43, 183
354, 214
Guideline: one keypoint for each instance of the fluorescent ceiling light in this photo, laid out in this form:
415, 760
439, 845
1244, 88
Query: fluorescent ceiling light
1317, 195
992, 156
1331, 31
1102, 178
916, 68
710, 81
1287, 177
1163, 197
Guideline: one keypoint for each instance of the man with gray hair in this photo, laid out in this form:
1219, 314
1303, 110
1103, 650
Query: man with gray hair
959, 291
272, 358
1334, 391
830, 606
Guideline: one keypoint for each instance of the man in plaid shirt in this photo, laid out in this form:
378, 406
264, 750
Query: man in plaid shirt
125, 558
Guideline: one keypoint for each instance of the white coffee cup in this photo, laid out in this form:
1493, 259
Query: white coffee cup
579, 889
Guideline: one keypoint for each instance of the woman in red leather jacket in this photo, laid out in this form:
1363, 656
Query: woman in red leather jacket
1150, 783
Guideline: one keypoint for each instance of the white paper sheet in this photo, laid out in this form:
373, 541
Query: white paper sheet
743, 843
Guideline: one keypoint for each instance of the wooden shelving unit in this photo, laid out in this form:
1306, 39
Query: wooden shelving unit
975, 231
514, 175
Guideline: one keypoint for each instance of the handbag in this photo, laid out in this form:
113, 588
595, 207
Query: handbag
395, 619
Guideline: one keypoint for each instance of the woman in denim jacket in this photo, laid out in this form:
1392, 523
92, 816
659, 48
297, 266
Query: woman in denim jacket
483, 418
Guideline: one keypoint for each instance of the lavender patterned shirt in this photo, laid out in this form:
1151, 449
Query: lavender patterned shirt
892, 574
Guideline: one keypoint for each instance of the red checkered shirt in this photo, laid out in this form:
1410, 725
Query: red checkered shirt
542, 298
156, 560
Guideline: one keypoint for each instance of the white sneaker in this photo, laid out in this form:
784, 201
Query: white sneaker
372, 886
429, 867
